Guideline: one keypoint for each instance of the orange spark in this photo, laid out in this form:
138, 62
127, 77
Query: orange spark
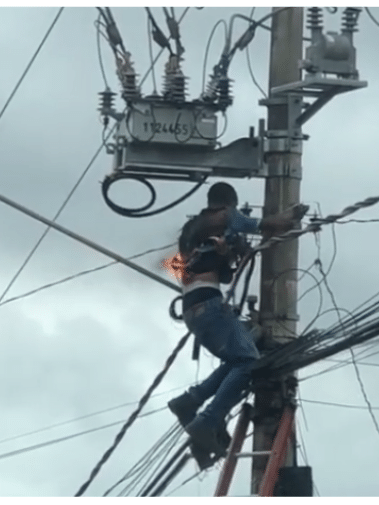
176, 266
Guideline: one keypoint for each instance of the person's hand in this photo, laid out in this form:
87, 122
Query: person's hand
290, 217
295, 212
284, 221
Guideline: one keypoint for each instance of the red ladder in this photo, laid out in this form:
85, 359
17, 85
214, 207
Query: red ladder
276, 454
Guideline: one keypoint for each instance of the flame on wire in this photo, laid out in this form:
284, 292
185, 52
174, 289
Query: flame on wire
175, 266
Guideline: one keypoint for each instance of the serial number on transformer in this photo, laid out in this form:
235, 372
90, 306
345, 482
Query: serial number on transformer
160, 128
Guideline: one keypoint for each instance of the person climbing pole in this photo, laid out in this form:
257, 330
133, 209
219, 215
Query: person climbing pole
214, 323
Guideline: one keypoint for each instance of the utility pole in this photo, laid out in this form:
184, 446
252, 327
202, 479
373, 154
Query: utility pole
278, 292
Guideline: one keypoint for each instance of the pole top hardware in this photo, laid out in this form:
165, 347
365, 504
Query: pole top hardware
290, 140
329, 65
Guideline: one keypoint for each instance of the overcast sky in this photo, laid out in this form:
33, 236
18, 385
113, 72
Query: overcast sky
98, 341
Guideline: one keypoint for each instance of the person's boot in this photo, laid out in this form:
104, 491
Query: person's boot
184, 407
203, 457
206, 437
223, 436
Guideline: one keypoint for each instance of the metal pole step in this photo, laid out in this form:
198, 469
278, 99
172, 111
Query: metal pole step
252, 454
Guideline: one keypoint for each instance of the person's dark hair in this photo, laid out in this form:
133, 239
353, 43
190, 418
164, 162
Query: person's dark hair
222, 194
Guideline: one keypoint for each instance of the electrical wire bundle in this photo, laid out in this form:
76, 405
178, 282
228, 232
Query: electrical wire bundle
355, 329
146, 472
352, 330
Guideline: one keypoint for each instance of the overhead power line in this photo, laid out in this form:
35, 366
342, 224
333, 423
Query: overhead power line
92, 414
316, 223
69, 437
89, 243
77, 184
98, 33
31, 62
79, 274
348, 362
359, 221
372, 17
50, 223
151, 463
344, 405
357, 372
135, 414
302, 352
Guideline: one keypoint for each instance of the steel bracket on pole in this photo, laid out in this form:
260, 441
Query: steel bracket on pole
289, 141
316, 86
286, 317
241, 158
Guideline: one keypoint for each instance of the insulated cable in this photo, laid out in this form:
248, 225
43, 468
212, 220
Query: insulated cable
252, 73
134, 415
372, 17
173, 27
161, 51
84, 272
140, 212
334, 250
158, 36
155, 90
90, 243
178, 467
317, 284
357, 372
86, 416
185, 482
207, 47
150, 485
158, 458
113, 33
98, 33
247, 37
69, 437
141, 465
316, 223
361, 355
359, 221
344, 405
65, 202
246, 284
333, 368
155, 456
306, 349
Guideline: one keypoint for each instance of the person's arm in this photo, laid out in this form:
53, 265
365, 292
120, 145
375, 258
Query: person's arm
239, 223
285, 220
282, 221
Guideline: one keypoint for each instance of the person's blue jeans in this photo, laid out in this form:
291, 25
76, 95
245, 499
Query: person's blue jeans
217, 328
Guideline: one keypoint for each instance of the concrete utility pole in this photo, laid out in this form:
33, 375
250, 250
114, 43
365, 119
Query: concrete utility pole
278, 275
